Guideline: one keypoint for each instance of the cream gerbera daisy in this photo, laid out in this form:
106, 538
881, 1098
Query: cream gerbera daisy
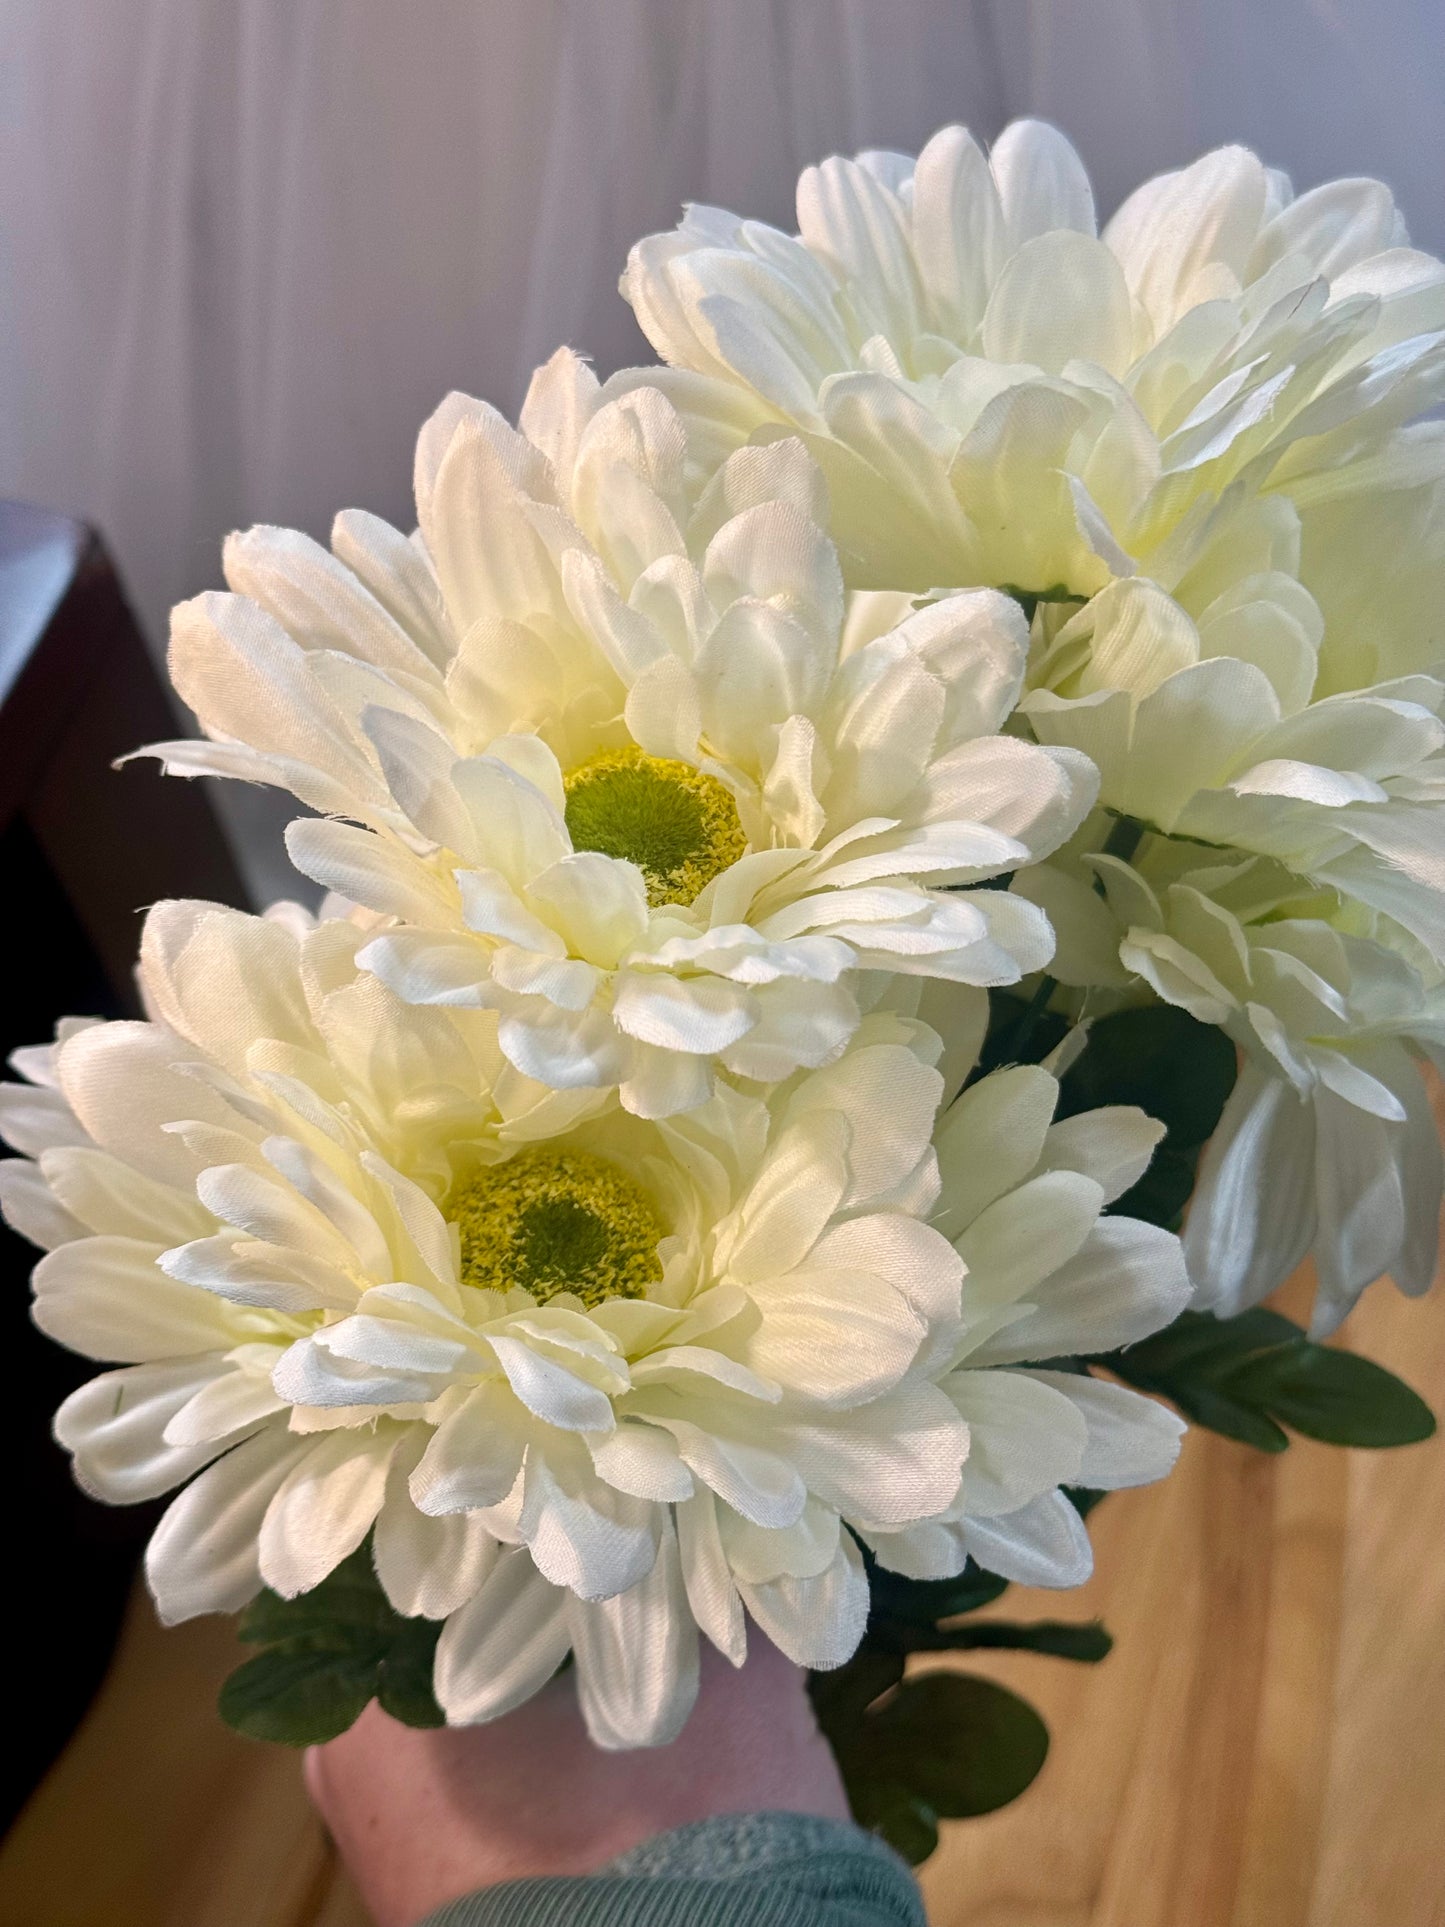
591, 1383
1047, 1277
1328, 1144
358, 1285
1000, 395
612, 758
1205, 732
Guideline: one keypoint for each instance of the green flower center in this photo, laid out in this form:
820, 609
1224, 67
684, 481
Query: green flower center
558, 1221
678, 826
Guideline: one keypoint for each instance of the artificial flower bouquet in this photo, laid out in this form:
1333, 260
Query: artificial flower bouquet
837, 847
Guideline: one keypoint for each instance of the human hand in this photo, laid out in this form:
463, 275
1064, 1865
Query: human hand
422, 1816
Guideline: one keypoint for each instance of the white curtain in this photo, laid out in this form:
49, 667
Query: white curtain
246, 245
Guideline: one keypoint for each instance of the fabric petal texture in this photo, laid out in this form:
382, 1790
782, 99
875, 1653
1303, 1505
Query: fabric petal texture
586, 1382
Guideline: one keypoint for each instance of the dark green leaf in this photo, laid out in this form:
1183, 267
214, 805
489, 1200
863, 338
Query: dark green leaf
1162, 1059
1175, 1068
299, 1695
327, 1653
942, 1746
1165, 1188
908, 1825
405, 1688
1086, 1642
919, 1602
1020, 1030
1082, 1498
841, 1697
348, 1597
1250, 1376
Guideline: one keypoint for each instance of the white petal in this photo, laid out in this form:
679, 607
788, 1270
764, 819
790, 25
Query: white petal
699, 1015
1127, 1280
32, 1208
325, 1508
109, 1195
1062, 297
1132, 1440
760, 1484
1010, 1112
887, 1464
1253, 1215
549, 1390
1041, 181
126, 1084
503, 1645
1024, 1437
566, 1050
1026, 1236
428, 966
1042, 1544
359, 865
221, 978
233, 1402
1112, 1145
115, 1425
711, 1593
816, 1622
106, 1298
204, 1556
428, 1567
32, 1120
1362, 1209
889, 1100
474, 1455
642, 1460
582, 1533
637, 1658
800, 1186
800, 1024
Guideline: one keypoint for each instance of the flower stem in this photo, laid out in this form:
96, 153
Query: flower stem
1029, 1016
1123, 840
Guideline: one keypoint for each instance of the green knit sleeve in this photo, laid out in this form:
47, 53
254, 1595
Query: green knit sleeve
743, 1870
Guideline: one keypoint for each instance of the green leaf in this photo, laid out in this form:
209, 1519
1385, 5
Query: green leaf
1165, 1188
350, 1596
1087, 1642
841, 1697
1163, 1060
1019, 1031
325, 1655
920, 1602
1175, 1068
1251, 1376
941, 1746
909, 1826
298, 1695
405, 1687
1083, 1498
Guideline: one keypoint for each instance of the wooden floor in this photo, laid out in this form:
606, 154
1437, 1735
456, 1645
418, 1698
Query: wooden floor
1264, 1748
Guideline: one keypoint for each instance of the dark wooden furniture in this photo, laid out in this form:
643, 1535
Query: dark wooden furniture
83, 849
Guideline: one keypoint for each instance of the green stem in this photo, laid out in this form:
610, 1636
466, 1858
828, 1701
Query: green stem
1028, 1019
1123, 839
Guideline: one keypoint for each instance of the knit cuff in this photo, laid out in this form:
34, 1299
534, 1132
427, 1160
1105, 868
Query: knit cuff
740, 1870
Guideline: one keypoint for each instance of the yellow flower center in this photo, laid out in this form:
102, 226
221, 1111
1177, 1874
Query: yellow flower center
678, 826
558, 1221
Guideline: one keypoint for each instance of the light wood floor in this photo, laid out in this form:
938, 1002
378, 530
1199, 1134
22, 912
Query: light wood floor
1264, 1748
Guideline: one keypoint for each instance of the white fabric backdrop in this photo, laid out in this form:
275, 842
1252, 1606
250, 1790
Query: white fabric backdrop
246, 245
